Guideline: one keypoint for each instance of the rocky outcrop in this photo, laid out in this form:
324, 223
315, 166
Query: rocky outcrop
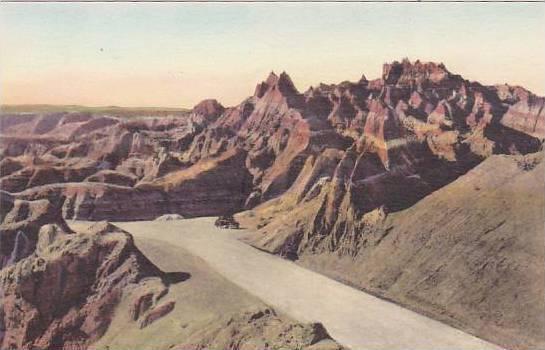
37, 175
260, 329
156, 313
209, 187
209, 110
524, 110
101, 201
65, 293
21, 222
409, 133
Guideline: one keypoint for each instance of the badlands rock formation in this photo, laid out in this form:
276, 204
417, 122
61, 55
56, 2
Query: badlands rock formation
470, 254
59, 289
324, 172
385, 143
20, 224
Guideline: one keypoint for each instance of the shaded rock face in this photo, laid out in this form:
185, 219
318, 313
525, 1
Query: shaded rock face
395, 139
470, 254
21, 222
65, 293
208, 109
211, 186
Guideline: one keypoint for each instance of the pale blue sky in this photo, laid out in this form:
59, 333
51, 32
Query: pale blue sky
175, 54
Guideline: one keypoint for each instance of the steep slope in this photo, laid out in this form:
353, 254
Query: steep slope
211, 312
415, 130
470, 253
64, 295
354, 318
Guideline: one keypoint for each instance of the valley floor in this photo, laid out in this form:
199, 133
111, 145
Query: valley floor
353, 318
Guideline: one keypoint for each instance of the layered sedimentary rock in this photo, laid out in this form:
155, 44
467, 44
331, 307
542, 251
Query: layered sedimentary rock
414, 131
362, 214
416, 128
332, 171
210, 187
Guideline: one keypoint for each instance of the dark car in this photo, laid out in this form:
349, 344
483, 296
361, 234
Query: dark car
227, 222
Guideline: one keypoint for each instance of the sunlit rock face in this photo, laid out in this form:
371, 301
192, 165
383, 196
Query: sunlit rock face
395, 139
435, 183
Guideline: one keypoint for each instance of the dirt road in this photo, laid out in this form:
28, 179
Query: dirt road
354, 318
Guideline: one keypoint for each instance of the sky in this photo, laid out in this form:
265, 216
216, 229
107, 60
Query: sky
176, 54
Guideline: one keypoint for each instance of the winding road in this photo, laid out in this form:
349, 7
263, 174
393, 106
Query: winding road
353, 318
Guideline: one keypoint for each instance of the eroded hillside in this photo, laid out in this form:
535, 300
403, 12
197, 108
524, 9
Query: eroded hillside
404, 185
387, 143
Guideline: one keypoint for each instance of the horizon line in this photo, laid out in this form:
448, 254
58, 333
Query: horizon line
182, 108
